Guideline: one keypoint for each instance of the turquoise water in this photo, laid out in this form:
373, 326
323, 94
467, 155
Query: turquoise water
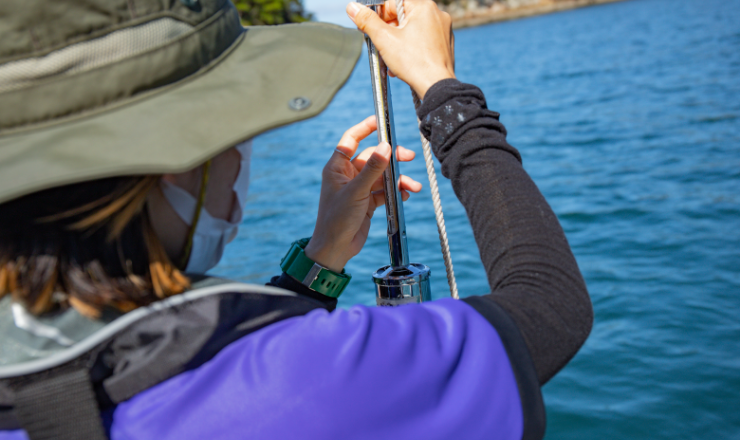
628, 118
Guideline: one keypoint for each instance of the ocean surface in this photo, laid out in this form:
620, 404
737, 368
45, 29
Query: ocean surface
627, 116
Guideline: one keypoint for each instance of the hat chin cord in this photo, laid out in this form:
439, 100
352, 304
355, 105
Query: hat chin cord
196, 216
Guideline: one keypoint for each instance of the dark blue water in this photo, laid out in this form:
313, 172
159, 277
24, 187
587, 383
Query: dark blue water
628, 118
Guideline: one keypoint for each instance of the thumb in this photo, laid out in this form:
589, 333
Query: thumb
367, 21
372, 170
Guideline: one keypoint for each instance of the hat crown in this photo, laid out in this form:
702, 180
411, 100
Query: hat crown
83, 56
34, 27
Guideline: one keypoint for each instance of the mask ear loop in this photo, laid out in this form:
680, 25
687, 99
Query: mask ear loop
196, 216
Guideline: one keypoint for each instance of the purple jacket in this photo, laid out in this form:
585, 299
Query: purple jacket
437, 370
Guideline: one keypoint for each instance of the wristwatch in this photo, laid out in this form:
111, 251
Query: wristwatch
311, 274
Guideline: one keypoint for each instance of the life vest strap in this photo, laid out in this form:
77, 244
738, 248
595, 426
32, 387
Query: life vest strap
61, 406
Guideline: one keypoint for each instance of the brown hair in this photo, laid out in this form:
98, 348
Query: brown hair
88, 245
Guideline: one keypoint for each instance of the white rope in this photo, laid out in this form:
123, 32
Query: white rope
428, 158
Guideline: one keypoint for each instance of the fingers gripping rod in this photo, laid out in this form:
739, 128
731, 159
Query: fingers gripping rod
400, 282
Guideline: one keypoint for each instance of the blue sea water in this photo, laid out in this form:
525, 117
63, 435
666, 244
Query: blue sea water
627, 116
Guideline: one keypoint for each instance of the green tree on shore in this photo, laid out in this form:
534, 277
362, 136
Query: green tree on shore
261, 12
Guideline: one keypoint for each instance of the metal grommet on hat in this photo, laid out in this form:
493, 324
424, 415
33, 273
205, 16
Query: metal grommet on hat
299, 103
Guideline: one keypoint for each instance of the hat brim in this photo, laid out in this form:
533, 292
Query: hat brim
247, 91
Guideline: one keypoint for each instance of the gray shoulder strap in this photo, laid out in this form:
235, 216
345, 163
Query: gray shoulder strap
60, 406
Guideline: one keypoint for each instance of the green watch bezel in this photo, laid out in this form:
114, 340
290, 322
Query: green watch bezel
311, 274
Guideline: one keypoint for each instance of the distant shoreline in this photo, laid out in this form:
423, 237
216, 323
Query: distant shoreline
485, 16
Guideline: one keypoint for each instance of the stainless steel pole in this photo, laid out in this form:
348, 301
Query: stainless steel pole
400, 282
397, 247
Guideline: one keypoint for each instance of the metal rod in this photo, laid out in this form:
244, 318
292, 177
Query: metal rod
397, 247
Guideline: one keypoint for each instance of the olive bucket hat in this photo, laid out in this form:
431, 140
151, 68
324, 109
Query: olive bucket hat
100, 88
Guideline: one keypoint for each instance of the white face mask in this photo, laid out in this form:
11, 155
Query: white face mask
211, 234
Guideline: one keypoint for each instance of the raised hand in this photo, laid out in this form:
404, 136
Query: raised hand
351, 190
420, 51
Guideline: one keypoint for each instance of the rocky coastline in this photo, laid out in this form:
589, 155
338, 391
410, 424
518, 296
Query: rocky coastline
468, 13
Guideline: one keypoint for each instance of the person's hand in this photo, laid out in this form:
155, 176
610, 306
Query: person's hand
351, 190
420, 51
